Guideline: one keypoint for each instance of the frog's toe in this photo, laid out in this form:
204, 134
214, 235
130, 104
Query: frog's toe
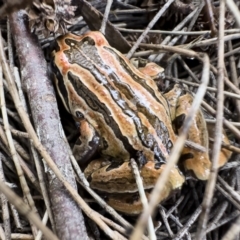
151, 172
200, 167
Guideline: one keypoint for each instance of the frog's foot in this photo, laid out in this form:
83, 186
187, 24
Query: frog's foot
127, 203
151, 172
87, 144
224, 154
130, 204
112, 179
196, 162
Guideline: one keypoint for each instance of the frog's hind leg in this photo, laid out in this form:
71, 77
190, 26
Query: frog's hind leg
111, 176
193, 159
112, 179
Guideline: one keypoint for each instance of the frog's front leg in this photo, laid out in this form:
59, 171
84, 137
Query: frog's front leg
87, 144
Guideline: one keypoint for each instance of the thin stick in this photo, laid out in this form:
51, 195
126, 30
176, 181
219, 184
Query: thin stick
16, 217
193, 20
5, 160
195, 146
159, 57
234, 75
24, 166
188, 224
44, 221
174, 49
220, 212
166, 40
2, 234
210, 16
232, 231
10, 46
234, 9
214, 40
212, 89
18, 133
234, 194
43, 186
113, 224
228, 54
201, 231
19, 236
166, 223
12, 148
19, 85
173, 32
150, 25
151, 232
227, 81
105, 16
226, 123
228, 146
21, 151
5, 209
173, 208
26, 211
194, 77
228, 197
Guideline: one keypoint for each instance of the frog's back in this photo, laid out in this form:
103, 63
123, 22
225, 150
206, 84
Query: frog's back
122, 104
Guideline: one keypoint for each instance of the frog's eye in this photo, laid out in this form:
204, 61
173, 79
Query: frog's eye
79, 115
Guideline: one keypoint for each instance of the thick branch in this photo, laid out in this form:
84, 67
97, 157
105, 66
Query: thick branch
68, 216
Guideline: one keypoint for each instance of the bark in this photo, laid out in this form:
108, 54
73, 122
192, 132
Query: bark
68, 216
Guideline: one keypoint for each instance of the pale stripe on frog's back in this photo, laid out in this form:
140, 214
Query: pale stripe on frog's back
137, 87
107, 100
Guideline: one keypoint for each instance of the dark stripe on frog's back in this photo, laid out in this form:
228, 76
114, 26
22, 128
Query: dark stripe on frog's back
93, 103
124, 88
62, 91
134, 76
83, 61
